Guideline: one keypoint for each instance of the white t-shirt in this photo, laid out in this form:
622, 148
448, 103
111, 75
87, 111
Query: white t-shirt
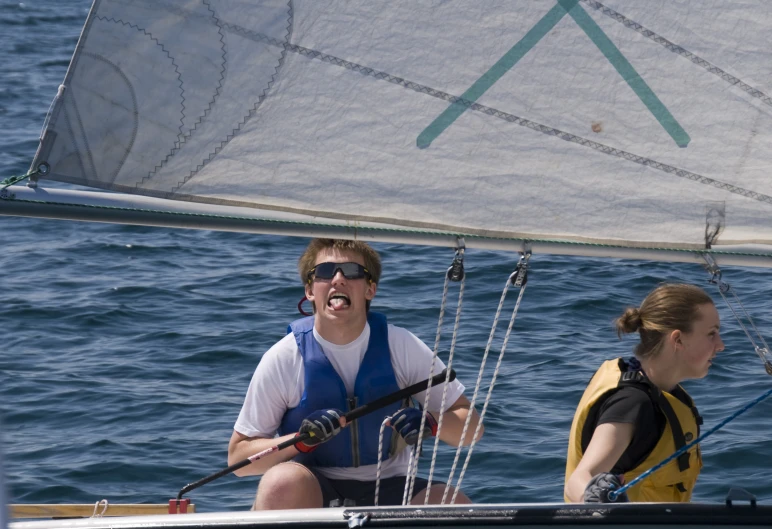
278, 384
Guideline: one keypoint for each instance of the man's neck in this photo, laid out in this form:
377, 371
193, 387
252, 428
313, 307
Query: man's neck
340, 334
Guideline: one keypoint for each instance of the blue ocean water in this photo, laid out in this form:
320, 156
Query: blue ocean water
127, 351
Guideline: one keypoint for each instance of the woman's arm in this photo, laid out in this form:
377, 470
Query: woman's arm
608, 443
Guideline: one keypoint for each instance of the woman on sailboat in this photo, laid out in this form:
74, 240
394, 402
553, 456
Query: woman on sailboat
634, 413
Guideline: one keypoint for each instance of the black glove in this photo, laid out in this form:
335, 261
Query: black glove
407, 421
600, 485
322, 425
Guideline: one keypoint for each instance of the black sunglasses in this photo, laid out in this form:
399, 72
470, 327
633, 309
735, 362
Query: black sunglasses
328, 271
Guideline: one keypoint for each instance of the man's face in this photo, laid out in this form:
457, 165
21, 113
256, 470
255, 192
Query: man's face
340, 300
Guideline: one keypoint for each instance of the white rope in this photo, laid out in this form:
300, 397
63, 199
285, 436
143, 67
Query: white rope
444, 393
477, 386
380, 459
413, 465
521, 269
487, 398
104, 505
413, 457
410, 481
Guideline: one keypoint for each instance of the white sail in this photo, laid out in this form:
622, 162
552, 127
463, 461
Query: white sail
637, 124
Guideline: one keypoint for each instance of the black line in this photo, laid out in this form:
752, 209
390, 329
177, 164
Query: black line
512, 118
253, 110
680, 50
183, 138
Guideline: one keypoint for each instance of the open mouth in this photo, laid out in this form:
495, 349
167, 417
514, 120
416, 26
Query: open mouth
339, 302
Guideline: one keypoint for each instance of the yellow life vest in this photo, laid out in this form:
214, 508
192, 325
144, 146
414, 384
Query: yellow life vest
675, 481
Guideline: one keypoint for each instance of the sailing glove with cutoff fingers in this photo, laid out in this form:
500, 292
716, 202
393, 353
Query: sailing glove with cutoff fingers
600, 485
407, 422
321, 425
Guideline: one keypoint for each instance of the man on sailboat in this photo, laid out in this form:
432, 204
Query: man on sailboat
340, 358
634, 413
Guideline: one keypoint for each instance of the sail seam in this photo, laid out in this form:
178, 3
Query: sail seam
82, 133
183, 138
71, 130
135, 127
471, 105
680, 50
176, 69
252, 111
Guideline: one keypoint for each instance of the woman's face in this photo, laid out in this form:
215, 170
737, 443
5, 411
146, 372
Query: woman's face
699, 347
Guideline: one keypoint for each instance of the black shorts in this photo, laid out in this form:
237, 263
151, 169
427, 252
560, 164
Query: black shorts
350, 492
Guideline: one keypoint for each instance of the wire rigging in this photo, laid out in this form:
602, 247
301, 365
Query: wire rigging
724, 289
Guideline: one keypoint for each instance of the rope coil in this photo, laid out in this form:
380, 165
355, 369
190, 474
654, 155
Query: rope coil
104, 505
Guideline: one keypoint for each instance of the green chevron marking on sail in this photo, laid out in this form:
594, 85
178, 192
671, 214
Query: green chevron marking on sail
631, 77
519, 50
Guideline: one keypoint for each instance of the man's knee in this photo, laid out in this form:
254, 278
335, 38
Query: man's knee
288, 486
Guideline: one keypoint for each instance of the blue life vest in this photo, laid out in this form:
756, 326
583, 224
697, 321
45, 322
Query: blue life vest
357, 444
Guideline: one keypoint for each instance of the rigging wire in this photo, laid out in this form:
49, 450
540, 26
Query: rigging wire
724, 289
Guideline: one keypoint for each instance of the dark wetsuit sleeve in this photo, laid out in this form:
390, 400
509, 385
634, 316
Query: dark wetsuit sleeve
631, 405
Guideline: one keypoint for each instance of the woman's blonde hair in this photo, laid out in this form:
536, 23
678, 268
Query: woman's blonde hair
669, 307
